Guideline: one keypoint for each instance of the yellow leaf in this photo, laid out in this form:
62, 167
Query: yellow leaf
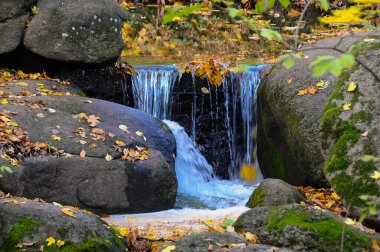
335, 196
168, 249
12, 123
6, 74
349, 221
248, 173
119, 143
50, 241
56, 138
302, 203
4, 101
68, 211
319, 84
347, 106
375, 175
23, 84
375, 246
302, 92
210, 222
139, 133
60, 243
351, 87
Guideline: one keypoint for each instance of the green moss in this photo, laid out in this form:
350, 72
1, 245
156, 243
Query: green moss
24, 227
338, 159
89, 245
326, 231
80, 92
274, 160
256, 198
62, 232
328, 120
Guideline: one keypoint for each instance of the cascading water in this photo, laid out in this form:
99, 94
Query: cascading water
152, 87
196, 177
241, 97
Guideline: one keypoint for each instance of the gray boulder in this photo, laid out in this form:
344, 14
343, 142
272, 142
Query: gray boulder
27, 224
221, 242
77, 31
288, 141
13, 17
274, 192
303, 228
346, 136
91, 182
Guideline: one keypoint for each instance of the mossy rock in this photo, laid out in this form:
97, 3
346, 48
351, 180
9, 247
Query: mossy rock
274, 192
347, 135
302, 228
288, 124
33, 222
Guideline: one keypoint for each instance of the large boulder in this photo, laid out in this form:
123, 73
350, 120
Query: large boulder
67, 160
274, 192
303, 228
77, 31
13, 17
221, 242
288, 124
347, 137
26, 224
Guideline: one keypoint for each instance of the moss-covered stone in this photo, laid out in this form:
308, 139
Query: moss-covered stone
302, 228
327, 231
256, 198
24, 227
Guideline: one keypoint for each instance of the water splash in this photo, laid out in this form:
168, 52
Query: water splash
196, 177
152, 86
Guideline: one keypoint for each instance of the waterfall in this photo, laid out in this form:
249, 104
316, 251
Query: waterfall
196, 178
152, 92
240, 103
152, 86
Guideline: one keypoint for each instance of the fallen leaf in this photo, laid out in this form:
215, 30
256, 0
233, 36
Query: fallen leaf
293, 13
56, 138
349, 221
312, 90
375, 175
290, 81
302, 92
4, 102
52, 110
93, 120
87, 101
375, 246
251, 238
168, 249
351, 87
82, 154
210, 247
108, 157
347, 106
205, 90
40, 115
119, 143
25, 93
50, 241
60, 243
365, 134
82, 142
124, 128
68, 211
23, 84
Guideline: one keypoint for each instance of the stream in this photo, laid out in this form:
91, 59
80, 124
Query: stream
201, 195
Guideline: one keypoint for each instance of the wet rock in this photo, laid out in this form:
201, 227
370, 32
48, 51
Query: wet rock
92, 182
303, 228
28, 223
274, 192
289, 146
13, 17
77, 31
